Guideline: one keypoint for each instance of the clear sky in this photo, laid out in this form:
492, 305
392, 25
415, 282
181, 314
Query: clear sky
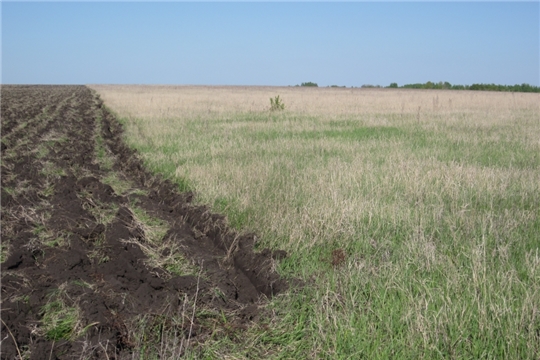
271, 43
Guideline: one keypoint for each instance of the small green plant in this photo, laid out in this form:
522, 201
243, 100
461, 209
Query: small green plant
276, 104
3, 251
59, 321
21, 298
98, 255
104, 213
50, 170
48, 189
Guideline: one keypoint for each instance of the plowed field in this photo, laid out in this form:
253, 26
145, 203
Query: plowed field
100, 258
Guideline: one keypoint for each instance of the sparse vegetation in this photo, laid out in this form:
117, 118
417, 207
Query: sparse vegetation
276, 104
154, 228
104, 213
60, 319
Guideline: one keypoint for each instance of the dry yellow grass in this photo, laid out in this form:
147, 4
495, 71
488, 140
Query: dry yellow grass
219, 168
170, 101
433, 195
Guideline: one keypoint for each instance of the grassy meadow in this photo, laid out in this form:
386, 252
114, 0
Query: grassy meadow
411, 216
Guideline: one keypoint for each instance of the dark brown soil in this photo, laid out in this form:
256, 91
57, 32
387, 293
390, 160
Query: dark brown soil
57, 250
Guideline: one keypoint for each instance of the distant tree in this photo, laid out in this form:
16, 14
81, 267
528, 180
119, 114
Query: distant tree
529, 88
309, 83
413, 86
393, 85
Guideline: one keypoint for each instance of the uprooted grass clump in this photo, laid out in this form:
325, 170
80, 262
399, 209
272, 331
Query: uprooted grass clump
61, 315
163, 252
59, 321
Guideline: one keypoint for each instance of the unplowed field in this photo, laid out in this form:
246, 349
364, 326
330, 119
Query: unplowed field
100, 258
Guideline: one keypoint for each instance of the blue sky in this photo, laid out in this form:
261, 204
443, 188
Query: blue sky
272, 43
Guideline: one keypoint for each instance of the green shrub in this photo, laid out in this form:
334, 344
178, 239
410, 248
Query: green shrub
276, 104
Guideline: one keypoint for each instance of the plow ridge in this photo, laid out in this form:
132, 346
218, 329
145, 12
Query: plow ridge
94, 245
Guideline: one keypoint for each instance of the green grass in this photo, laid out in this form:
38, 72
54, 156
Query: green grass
4, 248
61, 317
119, 185
52, 171
438, 215
59, 321
163, 252
104, 213
48, 237
153, 227
98, 254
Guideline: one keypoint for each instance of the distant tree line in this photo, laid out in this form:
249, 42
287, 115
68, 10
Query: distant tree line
446, 86
485, 87
308, 84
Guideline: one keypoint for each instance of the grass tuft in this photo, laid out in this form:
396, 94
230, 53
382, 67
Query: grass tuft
61, 318
162, 251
